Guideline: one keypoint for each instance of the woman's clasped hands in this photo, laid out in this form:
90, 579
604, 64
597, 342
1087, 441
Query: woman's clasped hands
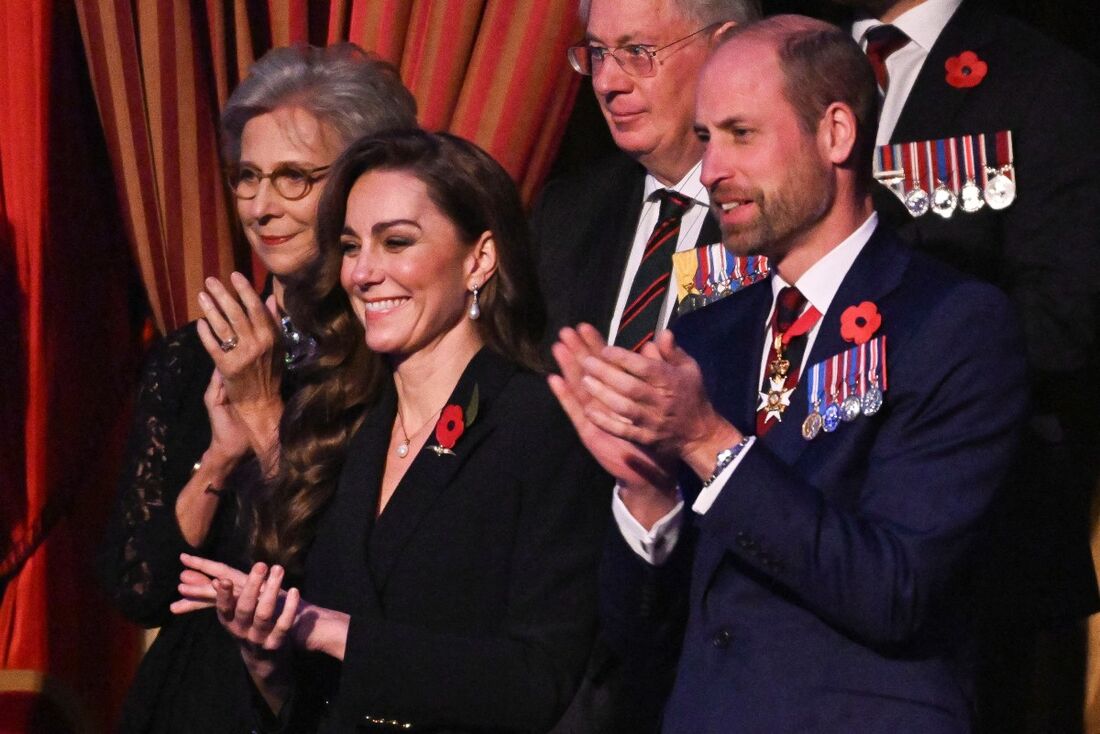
264, 619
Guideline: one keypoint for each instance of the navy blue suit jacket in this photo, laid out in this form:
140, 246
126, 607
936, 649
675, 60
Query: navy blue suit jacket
829, 579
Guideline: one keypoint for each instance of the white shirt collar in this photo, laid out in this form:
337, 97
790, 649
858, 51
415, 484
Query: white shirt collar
820, 283
690, 186
923, 24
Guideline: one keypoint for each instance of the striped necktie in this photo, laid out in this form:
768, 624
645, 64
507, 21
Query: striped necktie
882, 41
647, 292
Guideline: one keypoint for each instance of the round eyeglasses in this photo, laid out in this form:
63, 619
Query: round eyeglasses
636, 59
290, 181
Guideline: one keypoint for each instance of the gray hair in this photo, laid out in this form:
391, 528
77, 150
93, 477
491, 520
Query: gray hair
705, 12
352, 92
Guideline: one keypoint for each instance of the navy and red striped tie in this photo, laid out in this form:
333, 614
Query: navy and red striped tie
647, 292
882, 41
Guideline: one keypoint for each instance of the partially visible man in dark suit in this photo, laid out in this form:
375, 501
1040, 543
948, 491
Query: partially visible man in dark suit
1043, 249
845, 486
606, 235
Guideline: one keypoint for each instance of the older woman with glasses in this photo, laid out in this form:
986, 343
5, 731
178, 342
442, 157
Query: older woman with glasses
212, 393
433, 502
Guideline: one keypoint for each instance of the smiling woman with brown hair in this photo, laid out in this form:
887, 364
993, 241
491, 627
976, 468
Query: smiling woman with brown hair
445, 516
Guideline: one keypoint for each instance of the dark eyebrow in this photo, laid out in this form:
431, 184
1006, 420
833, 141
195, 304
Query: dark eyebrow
349, 231
383, 226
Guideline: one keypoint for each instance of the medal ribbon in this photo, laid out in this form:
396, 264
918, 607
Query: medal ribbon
984, 161
928, 171
954, 159
834, 370
1004, 153
719, 265
801, 325
701, 273
815, 397
943, 176
851, 363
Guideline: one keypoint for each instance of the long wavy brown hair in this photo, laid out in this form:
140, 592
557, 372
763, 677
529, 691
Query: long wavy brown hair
345, 379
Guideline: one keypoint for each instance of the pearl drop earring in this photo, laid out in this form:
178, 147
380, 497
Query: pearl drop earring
475, 308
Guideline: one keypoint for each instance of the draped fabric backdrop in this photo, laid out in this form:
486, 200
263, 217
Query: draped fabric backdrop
104, 196
68, 351
493, 71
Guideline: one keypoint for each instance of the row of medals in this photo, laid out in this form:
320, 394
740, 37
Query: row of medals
843, 411
778, 399
999, 192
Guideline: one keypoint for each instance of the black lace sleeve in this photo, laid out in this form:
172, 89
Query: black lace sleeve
139, 562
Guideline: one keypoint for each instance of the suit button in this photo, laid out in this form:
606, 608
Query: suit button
721, 639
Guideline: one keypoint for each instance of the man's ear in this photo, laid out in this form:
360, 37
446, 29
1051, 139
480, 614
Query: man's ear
837, 133
482, 260
719, 33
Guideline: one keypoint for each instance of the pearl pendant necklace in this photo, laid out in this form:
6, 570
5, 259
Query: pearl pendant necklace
402, 449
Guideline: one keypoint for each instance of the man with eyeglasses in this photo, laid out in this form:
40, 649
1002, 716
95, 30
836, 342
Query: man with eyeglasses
606, 235
1023, 213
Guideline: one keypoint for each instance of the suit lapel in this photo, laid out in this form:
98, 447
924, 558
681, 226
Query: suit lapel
348, 521
609, 248
933, 104
718, 337
747, 361
710, 232
875, 273
431, 474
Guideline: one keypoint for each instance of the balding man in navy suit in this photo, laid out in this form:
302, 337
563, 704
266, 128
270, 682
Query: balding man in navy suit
821, 449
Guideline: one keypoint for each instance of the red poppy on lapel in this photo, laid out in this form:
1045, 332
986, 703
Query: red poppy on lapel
859, 323
452, 423
965, 70
449, 428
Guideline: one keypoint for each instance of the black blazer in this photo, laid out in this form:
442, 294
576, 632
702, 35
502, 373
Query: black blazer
473, 595
1044, 252
584, 227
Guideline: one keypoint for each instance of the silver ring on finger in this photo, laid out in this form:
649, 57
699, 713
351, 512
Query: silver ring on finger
228, 345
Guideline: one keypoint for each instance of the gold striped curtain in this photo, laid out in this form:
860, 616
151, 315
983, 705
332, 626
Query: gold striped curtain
493, 71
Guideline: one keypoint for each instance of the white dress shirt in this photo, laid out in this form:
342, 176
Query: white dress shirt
819, 285
923, 24
690, 225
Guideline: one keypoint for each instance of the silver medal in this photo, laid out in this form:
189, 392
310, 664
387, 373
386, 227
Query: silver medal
944, 201
872, 400
850, 408
1000, 191
972, 199
917, 202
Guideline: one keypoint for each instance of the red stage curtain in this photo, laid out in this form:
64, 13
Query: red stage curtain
493, 71
67, 354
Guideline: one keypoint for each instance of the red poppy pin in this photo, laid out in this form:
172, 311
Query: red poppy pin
453, 421
965, 70
859, 323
